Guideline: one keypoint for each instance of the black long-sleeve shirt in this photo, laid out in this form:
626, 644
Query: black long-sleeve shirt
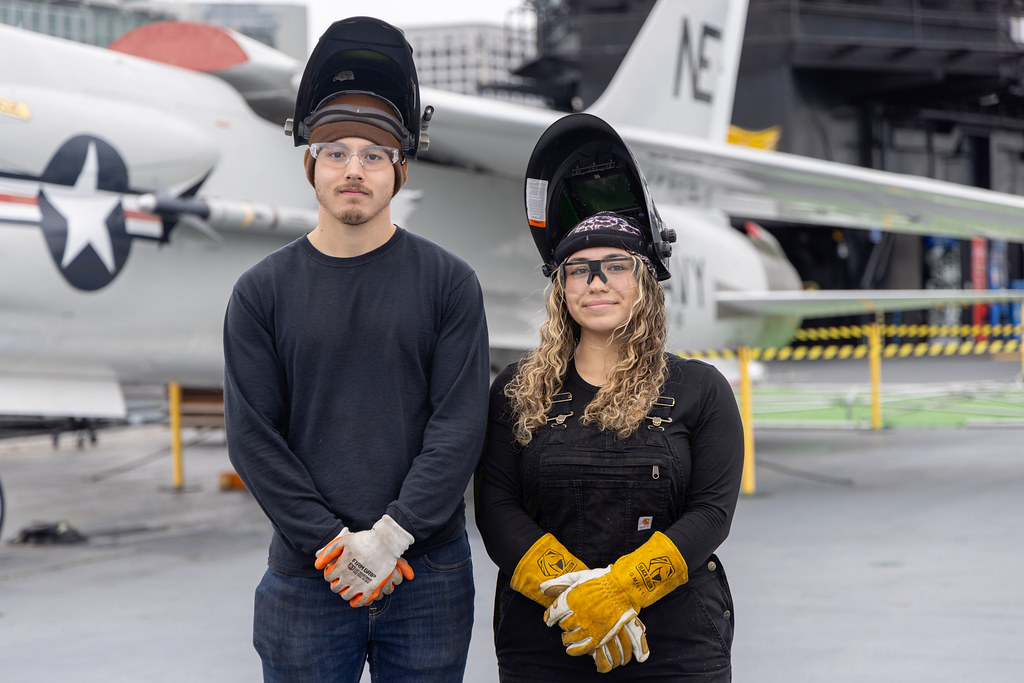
708, 436
356, 387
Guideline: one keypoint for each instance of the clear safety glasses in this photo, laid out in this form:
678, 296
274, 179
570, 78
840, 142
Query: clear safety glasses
618, 273
371, 158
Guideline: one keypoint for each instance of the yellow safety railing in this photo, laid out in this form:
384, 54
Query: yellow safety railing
873, 348
197, 408
174, 408
748, 484
875, 344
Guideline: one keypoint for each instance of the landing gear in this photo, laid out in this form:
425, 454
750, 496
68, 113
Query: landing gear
83, 429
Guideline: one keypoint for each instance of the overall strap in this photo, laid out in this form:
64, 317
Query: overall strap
559, 413
659, 414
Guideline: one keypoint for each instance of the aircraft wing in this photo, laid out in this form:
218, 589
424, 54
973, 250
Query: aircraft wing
839, 302
746, 183
57, 392
265, 78
497, 137
775, 186
486, 135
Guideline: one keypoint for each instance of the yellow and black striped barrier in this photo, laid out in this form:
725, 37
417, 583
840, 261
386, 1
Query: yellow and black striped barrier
987, 339
916, 331
933, 340
857, 351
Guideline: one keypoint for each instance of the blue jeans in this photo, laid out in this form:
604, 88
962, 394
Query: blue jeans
420, 633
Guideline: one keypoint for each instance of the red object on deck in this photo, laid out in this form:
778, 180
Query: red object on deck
979, 278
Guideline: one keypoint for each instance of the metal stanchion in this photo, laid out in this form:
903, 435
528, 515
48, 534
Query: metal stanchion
875, 358
174, 408
749, 484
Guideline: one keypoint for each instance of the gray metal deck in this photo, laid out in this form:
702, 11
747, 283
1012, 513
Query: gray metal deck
891, 556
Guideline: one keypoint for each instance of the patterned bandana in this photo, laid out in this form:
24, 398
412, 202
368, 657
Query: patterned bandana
605, 229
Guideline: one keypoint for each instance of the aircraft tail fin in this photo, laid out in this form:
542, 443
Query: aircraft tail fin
679, 76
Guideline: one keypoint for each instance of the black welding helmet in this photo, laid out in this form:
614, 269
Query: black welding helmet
361, 55
580, 167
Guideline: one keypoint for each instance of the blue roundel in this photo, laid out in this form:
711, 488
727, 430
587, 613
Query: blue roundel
81, 214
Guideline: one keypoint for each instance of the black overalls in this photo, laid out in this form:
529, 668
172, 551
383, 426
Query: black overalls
603, 497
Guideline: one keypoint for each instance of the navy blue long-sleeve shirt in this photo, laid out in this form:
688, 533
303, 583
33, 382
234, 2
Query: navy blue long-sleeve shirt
356, 387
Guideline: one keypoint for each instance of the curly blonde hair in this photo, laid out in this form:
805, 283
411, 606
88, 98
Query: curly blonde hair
634, 382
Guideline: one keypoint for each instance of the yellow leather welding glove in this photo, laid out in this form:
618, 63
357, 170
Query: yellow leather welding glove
592, 610
630, 640
546, 559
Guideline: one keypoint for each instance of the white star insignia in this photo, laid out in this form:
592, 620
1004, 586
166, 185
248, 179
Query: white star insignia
86, 209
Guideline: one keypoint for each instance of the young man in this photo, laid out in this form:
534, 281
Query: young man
356, 373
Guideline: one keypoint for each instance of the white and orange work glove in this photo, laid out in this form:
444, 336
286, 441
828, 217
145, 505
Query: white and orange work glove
365, 565
594, 605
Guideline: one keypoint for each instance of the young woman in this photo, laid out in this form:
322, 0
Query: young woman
609, 478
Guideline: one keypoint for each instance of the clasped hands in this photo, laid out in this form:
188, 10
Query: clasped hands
364, 566
596, 605
596, 617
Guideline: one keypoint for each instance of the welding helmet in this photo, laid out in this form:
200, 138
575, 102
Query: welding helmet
367, 56
580, 167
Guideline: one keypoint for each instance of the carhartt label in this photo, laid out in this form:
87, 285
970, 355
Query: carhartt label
644, 523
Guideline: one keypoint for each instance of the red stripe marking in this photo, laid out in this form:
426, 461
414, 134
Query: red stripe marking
16, 199
141, 216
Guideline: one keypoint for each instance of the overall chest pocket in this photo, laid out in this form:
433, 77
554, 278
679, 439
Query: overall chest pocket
603, 506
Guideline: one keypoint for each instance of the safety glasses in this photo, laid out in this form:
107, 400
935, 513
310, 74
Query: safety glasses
371, 158
618, 273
